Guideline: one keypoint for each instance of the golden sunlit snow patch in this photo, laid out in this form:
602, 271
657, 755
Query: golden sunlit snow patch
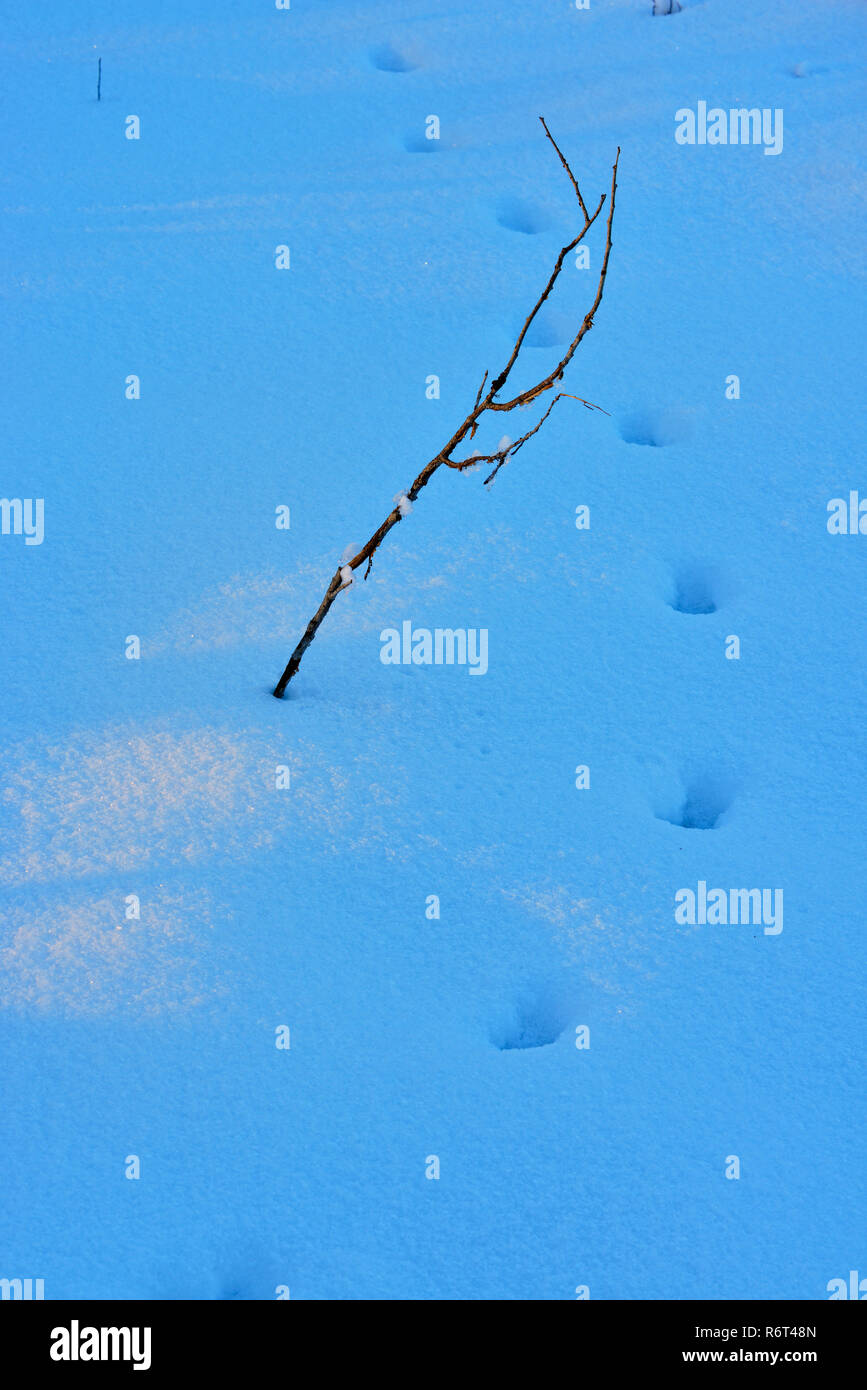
262, 608
126, 799
143, 799
608, 945
82, 957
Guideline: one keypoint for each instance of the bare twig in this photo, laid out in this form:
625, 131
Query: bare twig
482, 404
565, 166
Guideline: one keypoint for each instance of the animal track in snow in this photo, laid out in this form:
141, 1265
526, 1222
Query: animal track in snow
656, 428
537, 1018
387, 58
706, 798
418, 143
696, 589
550, 328
521, 216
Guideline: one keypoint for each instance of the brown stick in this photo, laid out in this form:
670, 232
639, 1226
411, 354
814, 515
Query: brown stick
482, 404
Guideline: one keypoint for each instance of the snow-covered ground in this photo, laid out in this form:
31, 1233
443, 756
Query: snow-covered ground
308, 907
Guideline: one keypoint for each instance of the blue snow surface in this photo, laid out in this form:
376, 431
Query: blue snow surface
562, 1168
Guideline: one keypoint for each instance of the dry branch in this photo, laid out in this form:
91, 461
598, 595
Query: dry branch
482, 404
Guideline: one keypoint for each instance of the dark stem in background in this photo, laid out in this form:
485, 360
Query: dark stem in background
471, 423
99, 81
